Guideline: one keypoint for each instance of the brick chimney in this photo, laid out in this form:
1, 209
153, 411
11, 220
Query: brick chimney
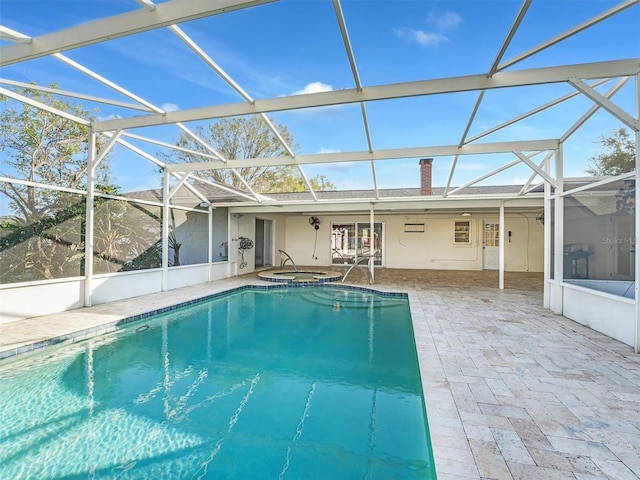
425, 175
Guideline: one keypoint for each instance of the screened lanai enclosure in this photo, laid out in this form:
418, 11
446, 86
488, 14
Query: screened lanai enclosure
419, 134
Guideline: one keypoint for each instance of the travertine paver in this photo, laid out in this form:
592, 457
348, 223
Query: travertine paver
512, 391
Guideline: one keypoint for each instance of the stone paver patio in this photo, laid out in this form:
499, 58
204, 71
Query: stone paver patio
512, 390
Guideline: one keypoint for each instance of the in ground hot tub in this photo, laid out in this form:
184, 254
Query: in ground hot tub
302, 276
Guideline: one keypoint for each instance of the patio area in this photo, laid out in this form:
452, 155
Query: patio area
512, 390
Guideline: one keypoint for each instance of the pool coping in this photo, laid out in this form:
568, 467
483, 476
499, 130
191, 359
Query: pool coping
289, 276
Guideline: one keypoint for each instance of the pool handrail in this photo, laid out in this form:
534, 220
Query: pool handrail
369, 259
284, 258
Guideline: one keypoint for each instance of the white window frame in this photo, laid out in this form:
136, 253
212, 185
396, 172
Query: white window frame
458, 223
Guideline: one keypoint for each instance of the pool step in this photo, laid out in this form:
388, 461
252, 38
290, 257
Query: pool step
351, 299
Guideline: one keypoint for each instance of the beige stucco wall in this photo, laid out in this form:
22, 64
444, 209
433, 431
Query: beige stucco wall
432, 249
245, 226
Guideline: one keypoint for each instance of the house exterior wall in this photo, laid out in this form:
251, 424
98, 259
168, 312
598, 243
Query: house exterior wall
190, 229
432, 249
244, 225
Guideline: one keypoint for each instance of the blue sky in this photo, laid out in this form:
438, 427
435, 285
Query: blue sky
295, 46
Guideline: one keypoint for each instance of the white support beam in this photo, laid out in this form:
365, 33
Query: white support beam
150, 6
535, 76
27, 183
181, 180
450, 178
307, 183
217, 154
43, 106
535, 167
12, 35
558, 235
637, 224
375, 179
165, 232
485, 176
494, 66
601, 183
204, 144
573, 31
372, 219
593, 109
195, 48
172, 146
107, 148
227, 78
89, 221
546, 250
232, 190
472, 117
525, 187
501, 248
65, 93
530, 113
337, 7
412, 152
81, 68
137, 21
512, 32
605, 103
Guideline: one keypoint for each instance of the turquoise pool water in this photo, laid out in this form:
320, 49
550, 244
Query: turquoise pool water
286, 383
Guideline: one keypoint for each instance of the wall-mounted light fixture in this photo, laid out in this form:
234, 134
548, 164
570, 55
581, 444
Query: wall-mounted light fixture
465, 214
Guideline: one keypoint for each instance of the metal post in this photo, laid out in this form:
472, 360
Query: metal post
637, 219
210, 247
501, 249
165, 231
546, 217
89, 216
558, 232
371, 243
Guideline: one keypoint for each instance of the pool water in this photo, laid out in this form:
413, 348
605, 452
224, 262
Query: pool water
308, 382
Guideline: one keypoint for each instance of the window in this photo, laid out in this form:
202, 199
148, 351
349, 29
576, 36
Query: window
462, 233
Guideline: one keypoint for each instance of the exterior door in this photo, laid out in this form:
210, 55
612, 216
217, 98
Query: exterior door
263, 255
491, 246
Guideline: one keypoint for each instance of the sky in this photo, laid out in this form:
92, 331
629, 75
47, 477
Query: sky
294, 46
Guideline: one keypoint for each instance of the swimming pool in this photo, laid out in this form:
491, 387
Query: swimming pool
307, 382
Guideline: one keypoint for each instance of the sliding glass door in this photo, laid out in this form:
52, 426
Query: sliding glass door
353, 241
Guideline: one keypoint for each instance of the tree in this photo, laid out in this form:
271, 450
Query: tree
247, 137
44, 236
618, 156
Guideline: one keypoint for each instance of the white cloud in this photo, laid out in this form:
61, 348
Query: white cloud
314, 87
421, 37
445, 22
519, 181
169, 107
